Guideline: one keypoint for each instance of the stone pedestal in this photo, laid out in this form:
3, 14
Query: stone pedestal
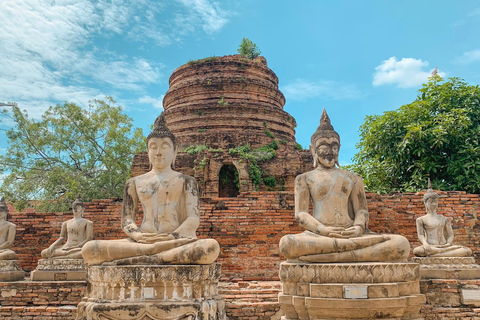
450, 284
10, 271
448, 267
153, 292
60, 270
350, 291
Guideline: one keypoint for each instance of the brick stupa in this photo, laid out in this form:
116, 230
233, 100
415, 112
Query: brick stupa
218, 104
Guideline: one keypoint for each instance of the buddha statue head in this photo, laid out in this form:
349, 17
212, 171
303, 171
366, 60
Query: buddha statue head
161, 145
3, 209
430, 198
325, 144
78, 207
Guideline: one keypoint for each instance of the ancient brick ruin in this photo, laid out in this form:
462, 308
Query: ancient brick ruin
216, 106
248, 229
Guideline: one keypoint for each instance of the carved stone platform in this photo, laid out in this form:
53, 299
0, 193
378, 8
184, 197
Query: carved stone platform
448, 267
153, 292
60, 270
10, 271
350, 291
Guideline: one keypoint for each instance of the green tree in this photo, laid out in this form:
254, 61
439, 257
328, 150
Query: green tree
437, 136
248, 49
70, 150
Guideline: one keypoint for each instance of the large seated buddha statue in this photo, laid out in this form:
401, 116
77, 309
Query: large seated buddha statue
337, 231
435, 232
167, 234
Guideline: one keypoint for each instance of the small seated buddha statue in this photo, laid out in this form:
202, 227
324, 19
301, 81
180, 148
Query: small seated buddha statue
167, 234
337, 231
435, 232
73, 235
7, 233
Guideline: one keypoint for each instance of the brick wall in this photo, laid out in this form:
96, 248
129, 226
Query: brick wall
37, 293
250, 226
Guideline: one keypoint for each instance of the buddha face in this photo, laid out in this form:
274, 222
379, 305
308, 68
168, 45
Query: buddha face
161, 152
325, 151
78, 211
3, 214
431, 204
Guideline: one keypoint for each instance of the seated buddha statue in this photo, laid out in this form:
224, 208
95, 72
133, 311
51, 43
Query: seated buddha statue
73, 235
167, 234
435, 232
337, 230
7, 233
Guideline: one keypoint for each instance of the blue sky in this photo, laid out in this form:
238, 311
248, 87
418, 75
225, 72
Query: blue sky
355, 58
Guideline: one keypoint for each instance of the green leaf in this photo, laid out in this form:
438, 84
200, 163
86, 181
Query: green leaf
70, 150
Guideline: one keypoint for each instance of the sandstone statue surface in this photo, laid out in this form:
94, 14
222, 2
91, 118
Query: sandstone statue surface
7, 234
73, 235
167, 234
337, 268
337, 231
161, 271
9, 268
435, 232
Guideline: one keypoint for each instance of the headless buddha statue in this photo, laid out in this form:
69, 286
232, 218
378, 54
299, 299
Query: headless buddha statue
7, 234
337, 231
169, 199
435, 232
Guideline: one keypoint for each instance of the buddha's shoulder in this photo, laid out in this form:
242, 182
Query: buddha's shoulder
421, 218
443, 219
188, 179
10, 224
336, 171
134, 180
182, 179
175, 175
352, 175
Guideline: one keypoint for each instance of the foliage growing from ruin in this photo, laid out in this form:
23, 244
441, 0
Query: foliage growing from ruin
282, 184
222, 102
195, 149
202, 163
269, 134
254, 156
273, 145
248, 49
294, 123
437, 136
270, 181
70, 150
255, 173
208, 59
298, 146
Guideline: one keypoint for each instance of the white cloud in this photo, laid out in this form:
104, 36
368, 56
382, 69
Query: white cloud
205, 13
408, 72
48, 54
469, 57
301, 89
475, 12
155, 102
127, 75
44, 59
